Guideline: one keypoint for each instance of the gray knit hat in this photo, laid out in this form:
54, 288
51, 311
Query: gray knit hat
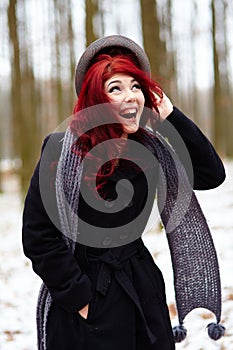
107, 45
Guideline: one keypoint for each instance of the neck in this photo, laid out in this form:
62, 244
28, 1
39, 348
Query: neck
124, 136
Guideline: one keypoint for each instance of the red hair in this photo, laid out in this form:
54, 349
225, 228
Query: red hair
92, 93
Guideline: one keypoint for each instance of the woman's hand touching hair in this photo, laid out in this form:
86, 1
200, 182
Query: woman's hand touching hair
164, 106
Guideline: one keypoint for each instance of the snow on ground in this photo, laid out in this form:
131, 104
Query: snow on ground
19, 285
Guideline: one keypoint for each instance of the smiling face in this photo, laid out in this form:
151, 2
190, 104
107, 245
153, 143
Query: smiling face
128, 100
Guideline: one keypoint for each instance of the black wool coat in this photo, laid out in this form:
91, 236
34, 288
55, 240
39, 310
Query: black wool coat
122, 317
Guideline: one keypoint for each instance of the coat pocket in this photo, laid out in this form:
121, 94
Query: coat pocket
91, 311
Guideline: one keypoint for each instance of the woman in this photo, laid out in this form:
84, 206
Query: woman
82, 225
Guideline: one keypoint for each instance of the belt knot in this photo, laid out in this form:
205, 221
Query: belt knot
111, 266
108, 259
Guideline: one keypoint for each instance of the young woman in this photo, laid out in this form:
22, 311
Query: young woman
82, 224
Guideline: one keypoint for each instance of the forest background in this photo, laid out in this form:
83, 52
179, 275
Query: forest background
189, 44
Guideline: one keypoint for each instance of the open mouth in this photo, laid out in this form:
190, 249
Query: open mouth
129, 114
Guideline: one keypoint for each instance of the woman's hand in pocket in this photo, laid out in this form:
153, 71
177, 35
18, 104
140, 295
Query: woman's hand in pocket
84, 311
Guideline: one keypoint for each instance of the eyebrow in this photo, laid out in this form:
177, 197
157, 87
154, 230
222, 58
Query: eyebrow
119, 81
113, 82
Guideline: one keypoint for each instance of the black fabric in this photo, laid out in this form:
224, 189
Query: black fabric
114, 322
208, 169
72, 285
140, 203
43, 244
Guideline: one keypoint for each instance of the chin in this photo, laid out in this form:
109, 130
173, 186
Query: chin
130, 130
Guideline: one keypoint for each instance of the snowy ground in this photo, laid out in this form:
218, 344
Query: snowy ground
19, 285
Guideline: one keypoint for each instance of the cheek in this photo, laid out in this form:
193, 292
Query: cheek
143, 100
114, 98
142, 103
115, 106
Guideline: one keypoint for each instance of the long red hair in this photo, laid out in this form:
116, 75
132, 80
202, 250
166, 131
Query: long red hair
96, 125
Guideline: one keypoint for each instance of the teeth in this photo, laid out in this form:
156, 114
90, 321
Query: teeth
129, 113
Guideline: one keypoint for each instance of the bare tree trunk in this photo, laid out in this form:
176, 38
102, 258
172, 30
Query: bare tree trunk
58, 79
16, 86
162, 62
193, 100
91, 10
154, 46
26, 129
229, 97
171, 58
71, 55
219, 117
64, 58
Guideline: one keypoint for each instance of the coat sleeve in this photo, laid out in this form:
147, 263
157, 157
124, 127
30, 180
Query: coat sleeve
207, 168
44, 246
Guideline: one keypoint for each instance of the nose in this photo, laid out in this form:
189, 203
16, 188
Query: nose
129, 96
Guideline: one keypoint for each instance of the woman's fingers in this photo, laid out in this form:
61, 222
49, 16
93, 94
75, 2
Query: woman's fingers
164, 105
84, 311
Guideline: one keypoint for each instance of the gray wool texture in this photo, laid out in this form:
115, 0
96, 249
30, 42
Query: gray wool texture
194, 259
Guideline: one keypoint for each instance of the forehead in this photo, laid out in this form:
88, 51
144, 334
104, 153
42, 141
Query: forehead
120, 77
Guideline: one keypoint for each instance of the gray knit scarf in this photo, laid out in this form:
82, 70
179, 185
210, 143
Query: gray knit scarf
194, 260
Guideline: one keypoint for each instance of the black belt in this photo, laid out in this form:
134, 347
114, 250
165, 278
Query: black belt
111, 263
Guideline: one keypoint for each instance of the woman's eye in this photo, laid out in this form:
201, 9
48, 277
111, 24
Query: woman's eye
136, 86
113, 89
